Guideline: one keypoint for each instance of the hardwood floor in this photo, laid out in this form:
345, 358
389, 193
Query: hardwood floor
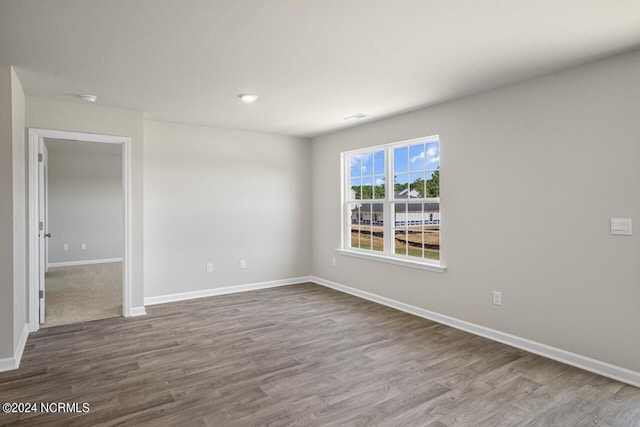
304, 356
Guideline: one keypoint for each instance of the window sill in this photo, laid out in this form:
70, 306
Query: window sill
393, 260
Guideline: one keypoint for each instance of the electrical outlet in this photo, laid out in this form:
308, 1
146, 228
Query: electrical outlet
333, 262
65, 247
497, 298
209, 267
243, 263
83, 246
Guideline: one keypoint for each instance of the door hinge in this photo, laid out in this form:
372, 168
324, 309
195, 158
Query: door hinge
41, 294
39, 157
41, 226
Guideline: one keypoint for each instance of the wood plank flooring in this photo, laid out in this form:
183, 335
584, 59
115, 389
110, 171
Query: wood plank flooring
300, 355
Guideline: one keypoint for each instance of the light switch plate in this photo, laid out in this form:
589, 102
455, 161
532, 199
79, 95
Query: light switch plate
621, 226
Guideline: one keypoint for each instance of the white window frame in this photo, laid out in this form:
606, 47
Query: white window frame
388, 255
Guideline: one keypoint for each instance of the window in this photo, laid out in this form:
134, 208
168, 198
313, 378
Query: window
392, 201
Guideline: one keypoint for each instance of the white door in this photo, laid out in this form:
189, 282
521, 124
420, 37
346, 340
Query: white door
43, 232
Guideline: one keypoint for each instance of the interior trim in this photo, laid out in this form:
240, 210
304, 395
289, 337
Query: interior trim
162, 299
11, 363
84, 262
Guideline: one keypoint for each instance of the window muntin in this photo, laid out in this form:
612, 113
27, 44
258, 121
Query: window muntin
367, 175
367, 226
392, 204
417, 230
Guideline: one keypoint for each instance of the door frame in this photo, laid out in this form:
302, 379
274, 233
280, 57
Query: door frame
35, 135
43, 203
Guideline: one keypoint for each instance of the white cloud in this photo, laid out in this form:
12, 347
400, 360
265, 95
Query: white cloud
432, 155
357, 158
379, 181
418, 157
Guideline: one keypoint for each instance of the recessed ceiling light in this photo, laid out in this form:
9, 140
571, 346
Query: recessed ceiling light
89, 98
248, 97
356, 116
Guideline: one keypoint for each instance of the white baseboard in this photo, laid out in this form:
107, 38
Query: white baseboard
137, 311
83, 262
583, 362
224, 290
10, 363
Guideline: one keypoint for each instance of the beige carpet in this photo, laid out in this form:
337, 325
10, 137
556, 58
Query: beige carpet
81, 293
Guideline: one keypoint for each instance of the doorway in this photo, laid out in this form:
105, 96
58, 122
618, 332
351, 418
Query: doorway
79, 269
82, 216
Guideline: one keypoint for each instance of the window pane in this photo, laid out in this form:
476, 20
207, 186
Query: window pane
355, 165
365, 226
400, 159
432, 215
416, 157
401, 185
433, 155
367, 164
416, 185
401, 242
377, 213
379, 187
432, 184
431, 230
415, 229
431, 244
355, 225
400, 231
378, 163
355, 238
367, 187
356, 190
377, 224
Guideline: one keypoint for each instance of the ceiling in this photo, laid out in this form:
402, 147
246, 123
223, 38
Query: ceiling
312, 62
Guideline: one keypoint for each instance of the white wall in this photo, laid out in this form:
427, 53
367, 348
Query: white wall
20, 317
85, 206
13, 284
6, 214
91, 118
548, 162
215, 195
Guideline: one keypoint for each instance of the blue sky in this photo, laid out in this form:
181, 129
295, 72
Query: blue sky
410, 163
